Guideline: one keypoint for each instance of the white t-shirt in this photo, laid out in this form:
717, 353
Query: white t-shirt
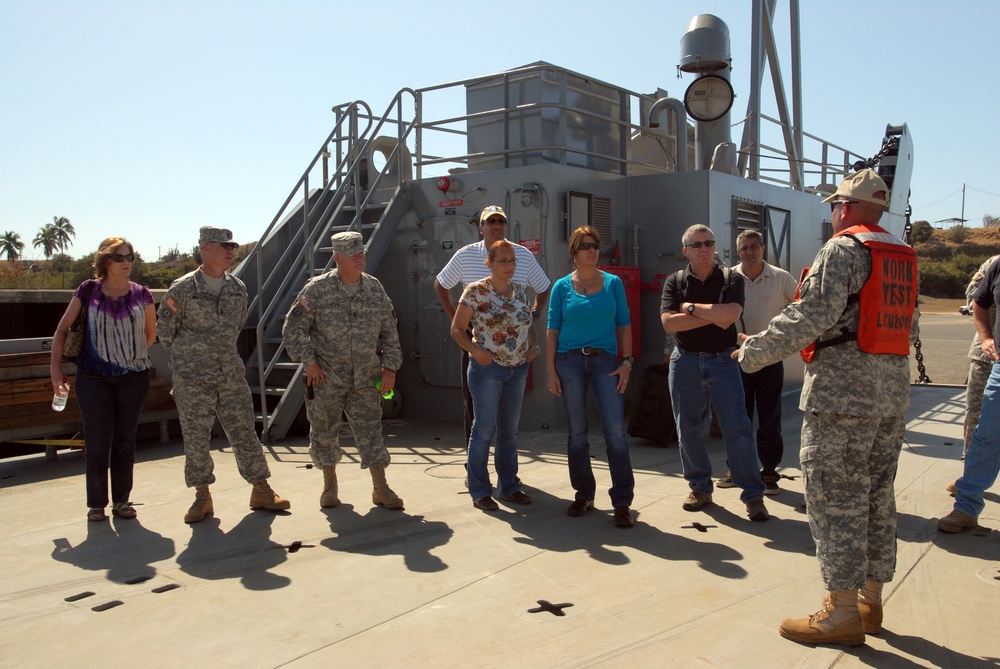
469, 264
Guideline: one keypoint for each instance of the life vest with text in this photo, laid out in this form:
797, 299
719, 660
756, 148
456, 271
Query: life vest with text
888, 298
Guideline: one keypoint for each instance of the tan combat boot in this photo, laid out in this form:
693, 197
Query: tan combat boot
329, 498
870, 606
202, 505
382, 493
262, 497
837, 622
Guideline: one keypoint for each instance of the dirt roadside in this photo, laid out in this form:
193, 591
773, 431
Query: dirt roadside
937, 305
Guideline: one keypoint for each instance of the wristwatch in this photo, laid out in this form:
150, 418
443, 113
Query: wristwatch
535, 313
690, 309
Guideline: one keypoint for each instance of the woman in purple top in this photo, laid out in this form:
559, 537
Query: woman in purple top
112, 372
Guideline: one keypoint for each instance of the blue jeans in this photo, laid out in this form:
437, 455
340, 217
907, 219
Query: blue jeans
576, 373
982, 461
496, 397
695, 380
110, 406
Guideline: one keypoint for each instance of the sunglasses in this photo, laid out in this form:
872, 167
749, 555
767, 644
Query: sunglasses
496, 221
837, 203
229, 246
697, 245
118, 257
589, 246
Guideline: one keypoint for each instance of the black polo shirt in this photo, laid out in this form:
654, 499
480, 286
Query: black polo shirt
708, 338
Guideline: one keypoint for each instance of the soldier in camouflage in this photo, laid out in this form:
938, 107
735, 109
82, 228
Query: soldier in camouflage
200, 319
333, 329
855, 405
980, 366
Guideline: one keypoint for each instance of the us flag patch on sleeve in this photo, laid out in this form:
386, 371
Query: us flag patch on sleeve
171, 304
306, 304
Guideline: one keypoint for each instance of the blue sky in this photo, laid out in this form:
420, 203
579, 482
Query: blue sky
151, 119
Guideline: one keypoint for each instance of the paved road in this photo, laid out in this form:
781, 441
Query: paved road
944, 340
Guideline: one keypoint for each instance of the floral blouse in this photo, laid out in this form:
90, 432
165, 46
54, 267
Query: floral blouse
499, 324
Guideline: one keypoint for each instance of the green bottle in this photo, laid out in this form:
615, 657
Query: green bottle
378, 386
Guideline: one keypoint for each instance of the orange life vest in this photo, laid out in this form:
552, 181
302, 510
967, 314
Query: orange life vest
888, 298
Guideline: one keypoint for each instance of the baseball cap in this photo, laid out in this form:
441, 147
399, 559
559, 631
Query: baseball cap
862, 186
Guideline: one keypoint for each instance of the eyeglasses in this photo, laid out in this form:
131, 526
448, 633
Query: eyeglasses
118, 257
837, 203
589, 246
229, 246
745, 249
697, 245
506, 261
496, 221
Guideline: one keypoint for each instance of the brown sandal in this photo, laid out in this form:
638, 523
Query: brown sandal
96, 515
123, 510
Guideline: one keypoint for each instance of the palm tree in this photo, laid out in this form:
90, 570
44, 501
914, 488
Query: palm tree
47, 240
11, 246
64, 231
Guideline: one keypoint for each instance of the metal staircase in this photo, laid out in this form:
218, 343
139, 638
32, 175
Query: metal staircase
296, 245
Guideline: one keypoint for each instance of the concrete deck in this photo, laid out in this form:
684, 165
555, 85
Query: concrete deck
445, 585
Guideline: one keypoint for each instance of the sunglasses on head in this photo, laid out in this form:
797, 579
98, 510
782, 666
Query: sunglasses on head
697, 245
118, 257
589, 246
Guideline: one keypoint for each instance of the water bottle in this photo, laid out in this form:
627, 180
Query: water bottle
62, 394
378, 386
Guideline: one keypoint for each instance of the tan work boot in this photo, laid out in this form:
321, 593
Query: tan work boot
202, 505
870, 606
956, 521
329, 498
837, 622
262, 497
382, 494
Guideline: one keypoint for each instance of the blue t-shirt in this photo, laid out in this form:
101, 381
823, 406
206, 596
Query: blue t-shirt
588, 320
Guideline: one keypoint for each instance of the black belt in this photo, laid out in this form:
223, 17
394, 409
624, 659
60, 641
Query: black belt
589, 350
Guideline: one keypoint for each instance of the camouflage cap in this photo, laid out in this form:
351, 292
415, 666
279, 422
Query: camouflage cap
348, 243
210, 234
865, 186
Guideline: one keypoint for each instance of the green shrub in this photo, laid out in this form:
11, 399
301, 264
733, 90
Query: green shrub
921, 232
942, 279
957, 234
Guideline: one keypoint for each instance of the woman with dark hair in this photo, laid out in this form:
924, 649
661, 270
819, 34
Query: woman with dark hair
112, 372
587, 315
499, 354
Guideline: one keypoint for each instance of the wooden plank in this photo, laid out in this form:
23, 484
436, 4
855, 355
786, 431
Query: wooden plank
42, 408
73, 418
32, 371
21, 359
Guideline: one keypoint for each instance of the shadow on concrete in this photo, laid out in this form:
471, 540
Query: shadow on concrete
245, 552
125, 549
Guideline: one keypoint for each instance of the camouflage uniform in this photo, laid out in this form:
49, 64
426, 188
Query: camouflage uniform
855, 405
198, 329
980, 364
340, 331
